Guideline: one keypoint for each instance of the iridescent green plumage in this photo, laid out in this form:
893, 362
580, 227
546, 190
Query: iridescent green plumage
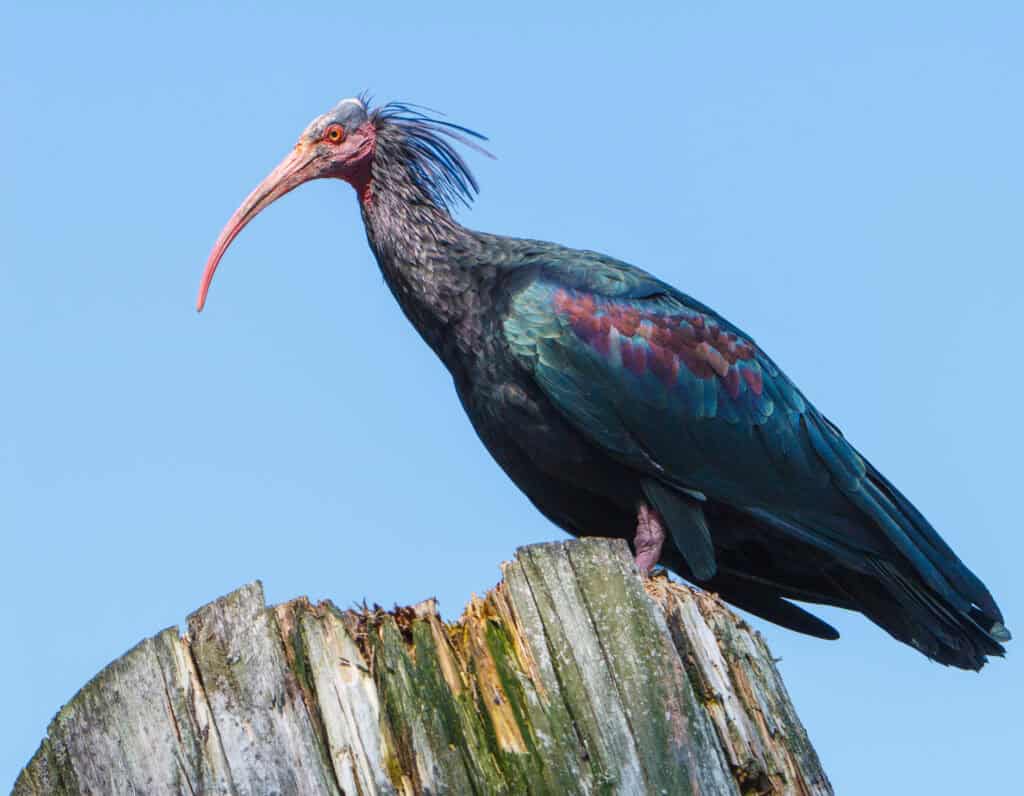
748, 442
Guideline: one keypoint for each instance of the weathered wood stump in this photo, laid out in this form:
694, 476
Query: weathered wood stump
571, 676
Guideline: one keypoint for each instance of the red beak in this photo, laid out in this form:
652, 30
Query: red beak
300, 166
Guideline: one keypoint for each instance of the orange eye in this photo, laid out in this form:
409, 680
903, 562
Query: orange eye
335, 133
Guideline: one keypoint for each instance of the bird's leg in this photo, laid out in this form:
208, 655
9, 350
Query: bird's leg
650, 534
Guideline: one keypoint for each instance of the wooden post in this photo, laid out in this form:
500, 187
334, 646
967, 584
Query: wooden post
571, 676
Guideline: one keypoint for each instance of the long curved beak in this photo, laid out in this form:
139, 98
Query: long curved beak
298, 167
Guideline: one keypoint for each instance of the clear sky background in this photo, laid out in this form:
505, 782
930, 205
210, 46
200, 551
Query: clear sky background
846, 184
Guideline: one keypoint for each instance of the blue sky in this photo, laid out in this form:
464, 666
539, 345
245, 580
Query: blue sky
845, 184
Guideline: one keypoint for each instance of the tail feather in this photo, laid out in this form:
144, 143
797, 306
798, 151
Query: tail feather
940, 553
955, 614
767, 604
911, 613
760, 599
950, 626
957, 598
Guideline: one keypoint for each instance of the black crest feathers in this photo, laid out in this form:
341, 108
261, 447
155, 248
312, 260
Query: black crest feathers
435, 164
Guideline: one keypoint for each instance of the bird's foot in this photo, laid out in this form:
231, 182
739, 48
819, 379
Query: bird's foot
650, 534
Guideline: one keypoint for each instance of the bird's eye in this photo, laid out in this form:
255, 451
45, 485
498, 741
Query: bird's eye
335, 133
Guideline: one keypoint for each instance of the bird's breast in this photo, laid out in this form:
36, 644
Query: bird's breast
536, 446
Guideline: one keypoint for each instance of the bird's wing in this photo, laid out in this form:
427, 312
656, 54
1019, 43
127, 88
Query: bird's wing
665, 385
660, 381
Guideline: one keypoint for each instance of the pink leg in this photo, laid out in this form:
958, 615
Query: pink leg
650, 533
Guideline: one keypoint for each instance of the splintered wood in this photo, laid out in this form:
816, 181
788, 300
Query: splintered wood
571, 676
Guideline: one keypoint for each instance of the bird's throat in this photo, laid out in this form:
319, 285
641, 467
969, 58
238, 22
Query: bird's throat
362, 180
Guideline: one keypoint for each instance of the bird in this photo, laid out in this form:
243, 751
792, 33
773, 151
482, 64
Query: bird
625, 408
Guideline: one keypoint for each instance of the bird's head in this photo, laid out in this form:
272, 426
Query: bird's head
342, 143
337, 144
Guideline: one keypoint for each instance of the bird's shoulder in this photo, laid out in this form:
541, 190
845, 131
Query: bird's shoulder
549, 285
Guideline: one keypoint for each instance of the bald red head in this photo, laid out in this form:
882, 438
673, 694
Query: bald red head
338, 144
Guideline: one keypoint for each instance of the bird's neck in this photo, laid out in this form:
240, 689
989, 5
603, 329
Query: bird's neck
423, 253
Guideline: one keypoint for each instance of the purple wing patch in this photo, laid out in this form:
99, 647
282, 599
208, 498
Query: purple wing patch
662, 341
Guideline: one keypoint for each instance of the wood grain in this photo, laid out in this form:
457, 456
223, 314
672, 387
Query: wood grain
572, 675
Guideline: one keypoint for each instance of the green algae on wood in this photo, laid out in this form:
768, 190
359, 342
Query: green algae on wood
573, 675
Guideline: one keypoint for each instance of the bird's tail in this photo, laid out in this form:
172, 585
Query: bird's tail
936, 604
911, 613
930, 599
